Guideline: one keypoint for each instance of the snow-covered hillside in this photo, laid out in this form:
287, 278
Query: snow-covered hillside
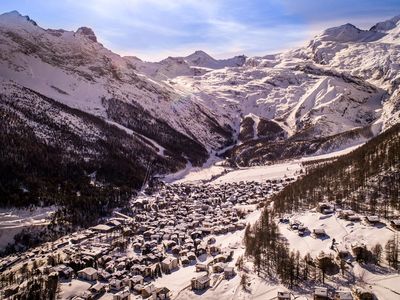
74, 69
344, 81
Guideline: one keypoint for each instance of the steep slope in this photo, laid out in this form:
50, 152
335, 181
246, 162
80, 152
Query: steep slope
201, 59
375, 62
74, 69
53, 154
195, 64
81, 128
341, 89
365, 180
345, 81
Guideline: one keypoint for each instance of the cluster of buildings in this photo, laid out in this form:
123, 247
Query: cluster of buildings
324, 293
159, 234
346, 214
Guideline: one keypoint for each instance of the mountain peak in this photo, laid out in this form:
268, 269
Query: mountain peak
386, 25
200, 53
348, 33
14, 17
13, 13
342, 28
88, 32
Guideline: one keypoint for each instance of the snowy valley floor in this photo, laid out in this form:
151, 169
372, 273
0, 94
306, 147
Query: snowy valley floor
258, 173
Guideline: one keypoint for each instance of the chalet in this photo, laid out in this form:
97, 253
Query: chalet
168, 264
344, 214
88, 274
122, 295
169, 244
138, 270
218, 267
85, 295
219, 258
343, 295
63, 271
353, 218
148, 290
77, 238
201, 250
185, 260
103, 275
328, 211
201, 282
324, 208
102, 228
372, 219
114, 223
98, 289
138, 288
201, 267
137, 279
295, 224
229, 272
163, 293
240, 226
214, 250
321, 293
302, 230
395, 224
116, 284
176, 249
153, 269
283, 296
319, 232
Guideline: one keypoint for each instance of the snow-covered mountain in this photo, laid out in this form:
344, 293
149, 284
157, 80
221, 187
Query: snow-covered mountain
202, 59
340, 89
74, 69
195, 64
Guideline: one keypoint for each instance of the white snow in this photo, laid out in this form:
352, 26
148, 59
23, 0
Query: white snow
344, 232
257, 173
73, 288
13, 221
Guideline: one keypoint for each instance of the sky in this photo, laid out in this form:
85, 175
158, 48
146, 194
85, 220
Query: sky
155, 29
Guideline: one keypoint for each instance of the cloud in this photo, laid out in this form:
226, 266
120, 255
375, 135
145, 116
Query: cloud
154, 29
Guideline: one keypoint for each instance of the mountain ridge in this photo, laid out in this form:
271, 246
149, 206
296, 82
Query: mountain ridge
341, 88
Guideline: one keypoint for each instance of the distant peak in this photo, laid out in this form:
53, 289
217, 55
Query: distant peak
88, 32
386, 25
13, 13
16, 16
200, 53
348, 26
347, 33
